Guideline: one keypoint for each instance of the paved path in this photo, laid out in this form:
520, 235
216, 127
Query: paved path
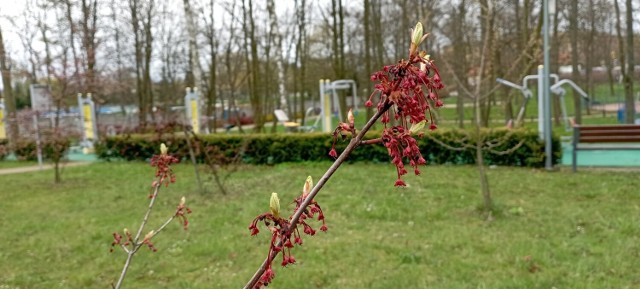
36, 168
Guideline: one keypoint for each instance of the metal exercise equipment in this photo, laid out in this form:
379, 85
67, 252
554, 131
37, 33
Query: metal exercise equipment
329, 102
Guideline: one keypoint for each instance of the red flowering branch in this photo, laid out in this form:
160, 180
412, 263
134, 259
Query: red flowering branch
131, 244
399, 89
262, 274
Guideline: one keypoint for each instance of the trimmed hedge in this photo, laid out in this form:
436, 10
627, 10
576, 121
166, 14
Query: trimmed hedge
278, 148
28, 150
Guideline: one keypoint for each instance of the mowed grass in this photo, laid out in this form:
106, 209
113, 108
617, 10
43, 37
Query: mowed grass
4, 164
552, 230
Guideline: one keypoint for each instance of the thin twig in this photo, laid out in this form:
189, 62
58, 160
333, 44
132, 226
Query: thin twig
464, 146
506, 152
137, 245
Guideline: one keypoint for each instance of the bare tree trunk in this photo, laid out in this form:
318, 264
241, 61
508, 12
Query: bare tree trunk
367, 45
193, 44
487, 20
629, 102
459, 53
610, 64
148, 47
575, 73
622, 58
71, 40
90, 43
212, 85
302, 57
251, 56
337, 29
555, 51
137, 44
271, 42
7, 93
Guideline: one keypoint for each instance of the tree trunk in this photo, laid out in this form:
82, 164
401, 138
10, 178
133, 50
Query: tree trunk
629, 102
367, 46
459, 53
251, 56
193, 45
482, 173
555, 51
575, 73
89, 43
7, 94
337, 15
148, 49
137, 45
212, 85
487, 20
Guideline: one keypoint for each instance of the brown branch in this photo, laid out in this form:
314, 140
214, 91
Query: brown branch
508, 151
136, 244
371, 141
449, 147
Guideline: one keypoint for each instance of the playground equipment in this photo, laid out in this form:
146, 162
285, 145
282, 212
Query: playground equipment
290, 126
191, 101
88, 116
329, 102
555, 89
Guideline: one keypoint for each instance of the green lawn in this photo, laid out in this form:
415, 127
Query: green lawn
579, 230
5, 164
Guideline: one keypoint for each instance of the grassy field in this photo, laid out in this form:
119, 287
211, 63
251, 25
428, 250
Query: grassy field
552, 230
16, 164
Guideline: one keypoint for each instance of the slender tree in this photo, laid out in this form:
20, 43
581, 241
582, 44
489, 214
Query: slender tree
629, 102
7, 93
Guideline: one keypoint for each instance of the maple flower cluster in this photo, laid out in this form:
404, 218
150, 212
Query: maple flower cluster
164, 175
408, 89
162, 163
283, 237
181, 212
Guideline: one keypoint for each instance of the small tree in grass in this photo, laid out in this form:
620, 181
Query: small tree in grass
129, 242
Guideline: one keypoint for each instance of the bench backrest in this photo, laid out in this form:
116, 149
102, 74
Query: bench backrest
623, 133
281, 115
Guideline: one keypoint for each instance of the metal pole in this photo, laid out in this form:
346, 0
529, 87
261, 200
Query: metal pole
541, 129
545, 89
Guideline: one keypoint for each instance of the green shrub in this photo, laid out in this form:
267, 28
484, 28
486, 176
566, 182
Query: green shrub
278, 148
52, 149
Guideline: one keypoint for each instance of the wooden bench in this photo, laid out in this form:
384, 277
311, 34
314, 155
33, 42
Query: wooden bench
605, 137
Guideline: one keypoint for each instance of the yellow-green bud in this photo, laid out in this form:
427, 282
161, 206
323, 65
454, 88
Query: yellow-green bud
183, 201
274, 205
149, 235
417, 127
308, 185
350, 117
416, 37
163, 149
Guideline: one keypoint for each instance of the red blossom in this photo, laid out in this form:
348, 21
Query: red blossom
164, 174
181, 211
283, 236
406, 92
400, 183
333, 153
